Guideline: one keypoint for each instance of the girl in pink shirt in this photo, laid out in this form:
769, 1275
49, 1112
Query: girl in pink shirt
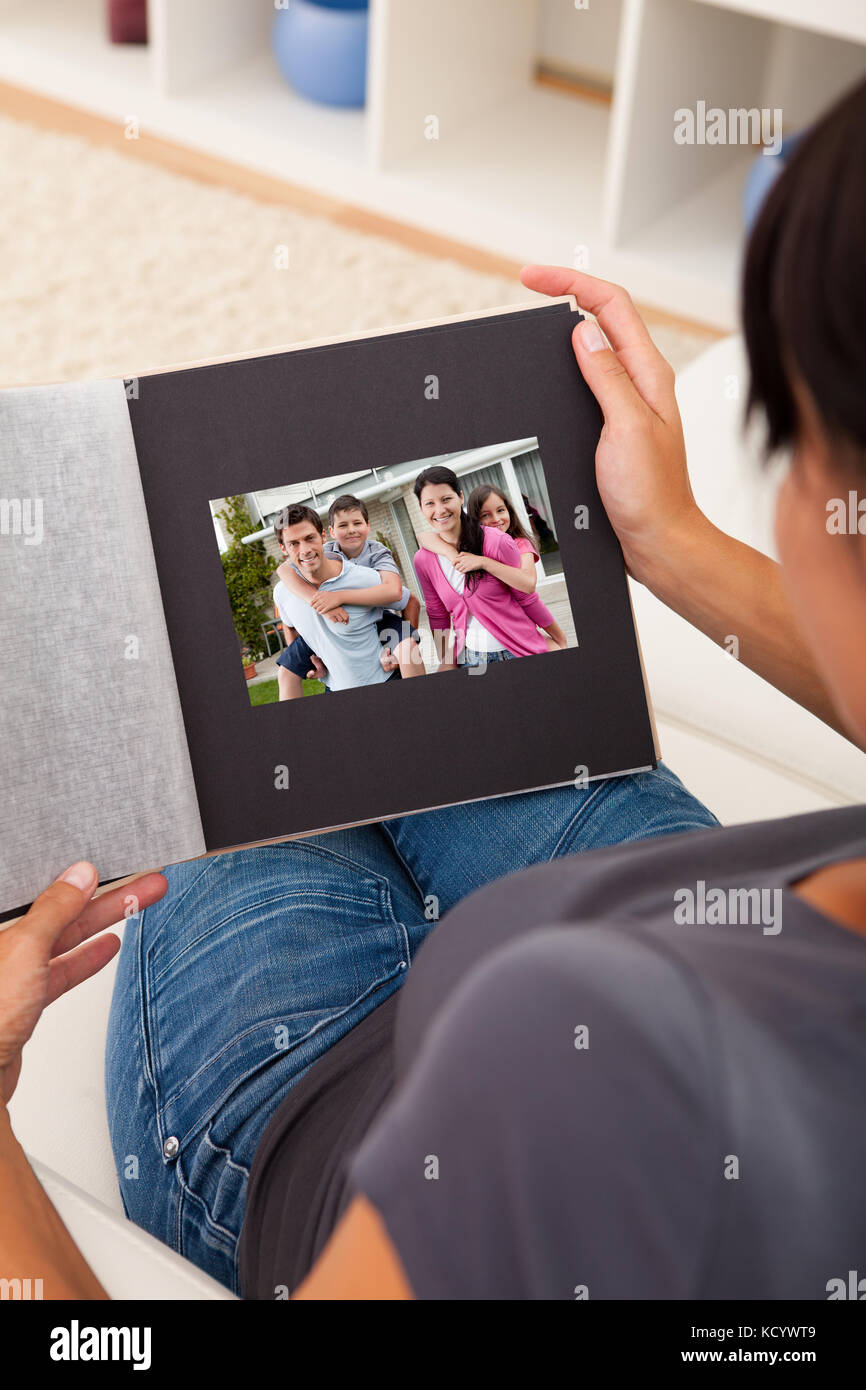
492, 509
492, 619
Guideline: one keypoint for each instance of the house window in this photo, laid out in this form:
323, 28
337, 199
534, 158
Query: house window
531, 483
491, 476
409, 541
521, 481
404, 526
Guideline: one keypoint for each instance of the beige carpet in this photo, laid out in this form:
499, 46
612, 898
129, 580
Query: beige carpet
111, 266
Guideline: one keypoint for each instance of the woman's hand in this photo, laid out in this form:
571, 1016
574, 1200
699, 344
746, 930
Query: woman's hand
715, 582
466, 562
640, 462
50, 950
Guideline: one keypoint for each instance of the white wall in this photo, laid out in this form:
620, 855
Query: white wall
194, 39
579, 41
807, 71
451, 60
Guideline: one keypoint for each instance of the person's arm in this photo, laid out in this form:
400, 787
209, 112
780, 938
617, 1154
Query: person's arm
289, 633
555, 632
438, 616
721, 586
308, 593
32, 1235
412, 611
522, 578
431, 540
387, 591
726, 588
506, 551
51, 949
443, 642
358, 1262
294, 582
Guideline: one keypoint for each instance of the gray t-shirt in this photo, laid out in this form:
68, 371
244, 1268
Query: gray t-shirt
375, 556
603, 1086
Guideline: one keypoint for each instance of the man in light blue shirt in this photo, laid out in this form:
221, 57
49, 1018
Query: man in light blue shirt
397, 611
350, 650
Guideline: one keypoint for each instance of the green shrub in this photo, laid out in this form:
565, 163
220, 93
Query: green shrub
248, 571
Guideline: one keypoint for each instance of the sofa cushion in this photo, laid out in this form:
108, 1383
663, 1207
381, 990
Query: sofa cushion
127, 1261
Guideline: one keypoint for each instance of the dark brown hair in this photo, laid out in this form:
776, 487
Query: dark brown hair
291, 516
479, 495
347, 503
471, 538
804, 285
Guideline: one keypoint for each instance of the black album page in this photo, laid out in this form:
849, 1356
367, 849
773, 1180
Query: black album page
303, 712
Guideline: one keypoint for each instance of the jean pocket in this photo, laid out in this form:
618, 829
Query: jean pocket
259, 981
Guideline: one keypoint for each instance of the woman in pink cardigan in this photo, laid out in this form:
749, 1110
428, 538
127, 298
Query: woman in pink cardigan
474, 615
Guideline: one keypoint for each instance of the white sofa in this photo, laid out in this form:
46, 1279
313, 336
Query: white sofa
747, 751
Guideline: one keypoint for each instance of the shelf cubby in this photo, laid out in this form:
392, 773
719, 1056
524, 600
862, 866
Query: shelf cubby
523, 169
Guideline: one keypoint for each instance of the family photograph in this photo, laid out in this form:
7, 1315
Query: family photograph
439, 565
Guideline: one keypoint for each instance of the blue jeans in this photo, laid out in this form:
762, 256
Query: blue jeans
256, 962
471, 659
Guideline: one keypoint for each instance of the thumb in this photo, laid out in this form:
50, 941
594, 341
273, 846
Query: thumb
61, 903
603, 372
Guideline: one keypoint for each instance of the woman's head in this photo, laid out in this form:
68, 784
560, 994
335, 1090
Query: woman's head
492, 508
440, 498
804, 315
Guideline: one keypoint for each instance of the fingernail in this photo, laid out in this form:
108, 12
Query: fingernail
80, 875
591, 335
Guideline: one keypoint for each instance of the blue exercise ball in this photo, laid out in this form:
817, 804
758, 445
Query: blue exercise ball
321, 49
762, 175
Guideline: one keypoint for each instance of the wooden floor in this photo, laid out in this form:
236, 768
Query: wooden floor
47, 114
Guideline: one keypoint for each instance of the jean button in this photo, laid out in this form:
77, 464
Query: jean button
171, 1147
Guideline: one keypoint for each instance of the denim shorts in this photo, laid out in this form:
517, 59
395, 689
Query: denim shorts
470, 658
256, 962
393, 629
297, 657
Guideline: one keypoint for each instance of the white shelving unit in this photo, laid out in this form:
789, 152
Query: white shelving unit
518, 168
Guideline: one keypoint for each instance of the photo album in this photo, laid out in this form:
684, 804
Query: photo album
210, 573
